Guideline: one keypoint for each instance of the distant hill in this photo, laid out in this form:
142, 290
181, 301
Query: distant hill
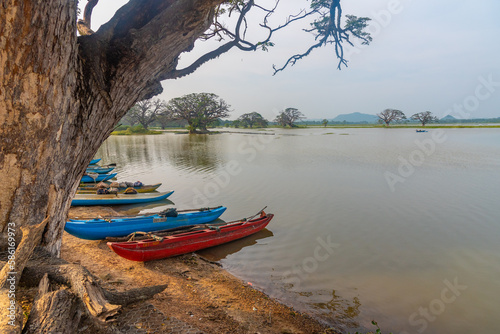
448, 118
356, 117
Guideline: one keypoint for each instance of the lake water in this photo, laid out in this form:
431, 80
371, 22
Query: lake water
385, 224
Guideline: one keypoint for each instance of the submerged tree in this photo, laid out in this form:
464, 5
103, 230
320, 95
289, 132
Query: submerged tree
198, 110
288, 117
424, 117
253, 119
391, 115
165, 118
61, 95
146, 112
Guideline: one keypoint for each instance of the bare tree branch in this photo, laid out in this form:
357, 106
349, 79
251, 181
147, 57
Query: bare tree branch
84, 26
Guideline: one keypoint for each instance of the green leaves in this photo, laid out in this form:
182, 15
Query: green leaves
356, 26
378, 331
198, 109
264, 46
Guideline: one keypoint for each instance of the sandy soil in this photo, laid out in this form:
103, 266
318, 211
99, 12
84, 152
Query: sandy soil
199, 292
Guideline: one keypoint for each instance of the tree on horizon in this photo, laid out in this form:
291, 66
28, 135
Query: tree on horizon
198, 110
252, 119
424, 117
146, 112
288, 117
391, 115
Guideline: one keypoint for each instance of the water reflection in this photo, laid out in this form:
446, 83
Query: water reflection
404, 240
193, 152
221, 252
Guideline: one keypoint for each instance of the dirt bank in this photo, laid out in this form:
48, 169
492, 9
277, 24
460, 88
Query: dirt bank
199, 294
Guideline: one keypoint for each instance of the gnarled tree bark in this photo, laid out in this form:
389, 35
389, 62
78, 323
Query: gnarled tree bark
61, 95
53, 312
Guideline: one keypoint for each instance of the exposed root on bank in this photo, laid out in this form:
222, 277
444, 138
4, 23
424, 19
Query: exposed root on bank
68, 293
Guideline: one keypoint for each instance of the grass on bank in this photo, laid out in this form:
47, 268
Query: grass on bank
125, 130
404, 126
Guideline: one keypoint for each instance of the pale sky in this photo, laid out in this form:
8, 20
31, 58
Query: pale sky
442, 56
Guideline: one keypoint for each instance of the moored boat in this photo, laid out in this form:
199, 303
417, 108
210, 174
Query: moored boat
94, 161
97, 177
118, 199
100, 228
99, 169
92, 188
181, 243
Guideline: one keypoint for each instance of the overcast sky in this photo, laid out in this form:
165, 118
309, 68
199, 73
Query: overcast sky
442, 56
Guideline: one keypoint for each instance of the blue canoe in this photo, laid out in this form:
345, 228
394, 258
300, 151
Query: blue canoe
97, 228
100, 177
99, 169
94, 161
118, 199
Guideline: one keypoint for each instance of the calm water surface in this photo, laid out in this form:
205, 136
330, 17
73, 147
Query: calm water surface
385, 224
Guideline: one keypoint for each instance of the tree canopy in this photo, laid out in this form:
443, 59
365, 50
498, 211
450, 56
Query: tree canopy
325, 24
424, 117
198, 110
252, 119
288, 117
147, 111
391, 115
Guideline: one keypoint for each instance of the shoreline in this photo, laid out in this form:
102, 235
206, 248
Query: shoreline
200, 293
265, 131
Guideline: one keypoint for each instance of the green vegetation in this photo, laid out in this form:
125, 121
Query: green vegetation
139, 130
252, 119
378, 331
404, 126
288, 117
391, 115
125, 130
148, 111
424, 117
198, 110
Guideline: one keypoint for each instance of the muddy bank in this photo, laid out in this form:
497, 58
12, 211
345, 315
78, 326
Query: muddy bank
200, 293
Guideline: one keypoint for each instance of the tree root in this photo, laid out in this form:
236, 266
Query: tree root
10, 275
53, 312
78, 293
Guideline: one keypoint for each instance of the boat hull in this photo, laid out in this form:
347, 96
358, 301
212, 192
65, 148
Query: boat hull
94, 161
99, 170
117, 199
91, 189
188, 242
100, 177
95, 229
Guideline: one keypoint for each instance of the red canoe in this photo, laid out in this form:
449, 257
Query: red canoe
182, 243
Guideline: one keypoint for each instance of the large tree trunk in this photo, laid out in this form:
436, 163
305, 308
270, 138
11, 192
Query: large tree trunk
61, 95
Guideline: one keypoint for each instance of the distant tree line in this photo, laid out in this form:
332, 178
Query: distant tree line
389, 116
196, 111
470, 120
